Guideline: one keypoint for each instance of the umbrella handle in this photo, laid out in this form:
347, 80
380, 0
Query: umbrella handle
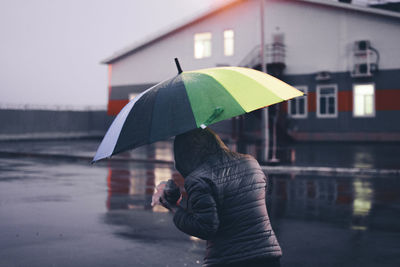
217, 112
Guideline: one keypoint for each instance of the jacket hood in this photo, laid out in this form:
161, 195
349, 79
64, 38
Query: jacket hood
193, 148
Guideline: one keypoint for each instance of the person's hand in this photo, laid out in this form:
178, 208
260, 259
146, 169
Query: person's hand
168, 205
171, 192
170, 196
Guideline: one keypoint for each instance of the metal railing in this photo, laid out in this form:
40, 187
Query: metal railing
275, 53
13, 106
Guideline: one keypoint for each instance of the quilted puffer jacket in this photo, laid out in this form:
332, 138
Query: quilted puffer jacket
226, 200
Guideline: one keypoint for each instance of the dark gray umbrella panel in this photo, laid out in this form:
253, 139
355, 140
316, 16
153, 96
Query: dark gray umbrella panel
160, 112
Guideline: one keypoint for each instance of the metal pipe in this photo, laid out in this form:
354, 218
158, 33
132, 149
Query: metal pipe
265, 119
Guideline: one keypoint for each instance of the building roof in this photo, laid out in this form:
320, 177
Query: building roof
138, 46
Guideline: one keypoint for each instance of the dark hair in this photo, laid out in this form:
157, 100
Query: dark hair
194, 148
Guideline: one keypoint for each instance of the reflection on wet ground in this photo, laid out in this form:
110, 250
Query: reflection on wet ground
351, 202
343, 154
336, 154
137, 186
346, 201
354, 206
72, 214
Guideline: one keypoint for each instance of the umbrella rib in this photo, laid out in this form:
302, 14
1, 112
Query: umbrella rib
218, 108
278, 93
169, 81
244, 105
103, 151
136, 99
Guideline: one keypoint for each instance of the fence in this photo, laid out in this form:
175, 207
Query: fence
49, 122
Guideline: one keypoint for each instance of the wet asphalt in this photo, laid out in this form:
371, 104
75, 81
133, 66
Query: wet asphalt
67, 212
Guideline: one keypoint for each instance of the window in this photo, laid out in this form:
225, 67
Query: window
327, 101
229, 42
364, 100
202, 45
298, 106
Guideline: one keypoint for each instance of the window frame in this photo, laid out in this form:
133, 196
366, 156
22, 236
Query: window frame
318, 89
373, 115
195, 42
303, 88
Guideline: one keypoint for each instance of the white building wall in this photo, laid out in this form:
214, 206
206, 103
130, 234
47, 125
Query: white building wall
155, 63
311, 35
317, 38
321, 38
384, 35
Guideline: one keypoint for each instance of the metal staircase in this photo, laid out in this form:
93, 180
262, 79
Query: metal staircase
274, 58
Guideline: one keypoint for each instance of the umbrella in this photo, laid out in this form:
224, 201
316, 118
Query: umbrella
190, 100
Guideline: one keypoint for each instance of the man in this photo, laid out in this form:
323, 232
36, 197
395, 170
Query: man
225, 202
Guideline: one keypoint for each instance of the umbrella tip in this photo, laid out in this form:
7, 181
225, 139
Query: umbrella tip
178, 66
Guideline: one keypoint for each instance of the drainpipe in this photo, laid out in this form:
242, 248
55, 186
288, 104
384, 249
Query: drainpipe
265, 122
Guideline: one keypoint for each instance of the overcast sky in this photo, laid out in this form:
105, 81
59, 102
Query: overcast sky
51, 49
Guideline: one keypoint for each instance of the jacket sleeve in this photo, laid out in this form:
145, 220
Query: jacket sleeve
202, 219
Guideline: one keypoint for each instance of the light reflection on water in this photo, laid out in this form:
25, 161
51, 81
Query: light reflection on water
345, 201
133, 189
341, 200
362, 204
335, 212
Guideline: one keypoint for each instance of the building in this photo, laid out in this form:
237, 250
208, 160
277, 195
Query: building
345, 57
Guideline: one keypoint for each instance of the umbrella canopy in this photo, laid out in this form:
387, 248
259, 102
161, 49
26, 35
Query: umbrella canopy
190, 100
